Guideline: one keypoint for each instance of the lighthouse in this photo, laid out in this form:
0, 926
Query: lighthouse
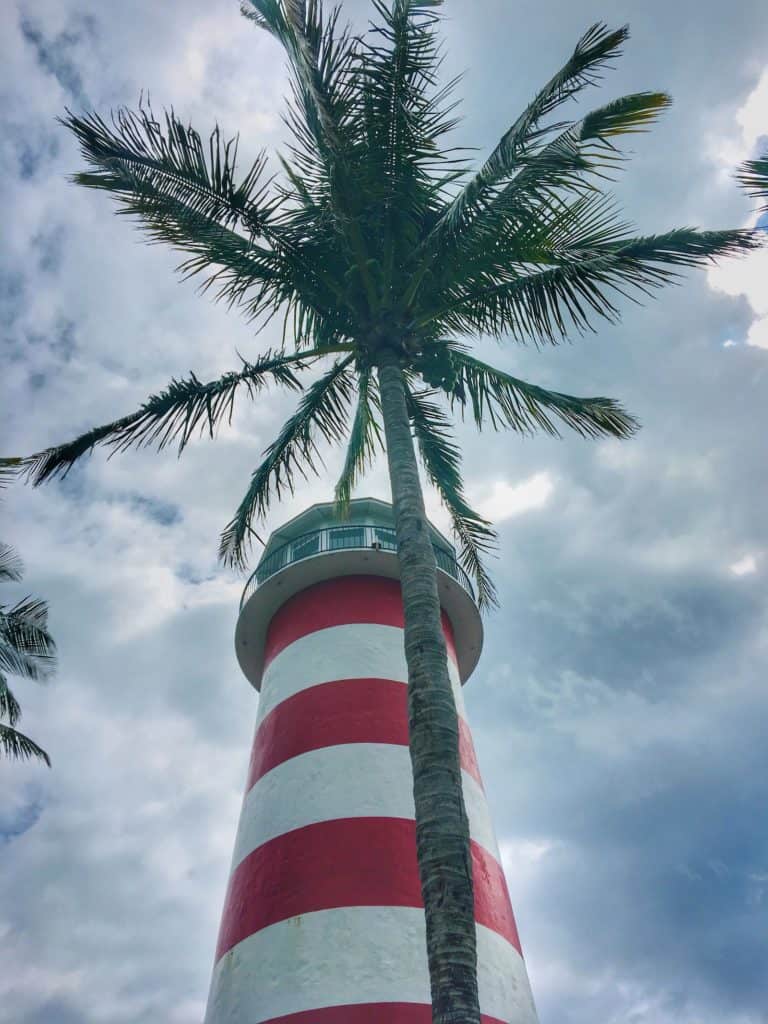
323, 921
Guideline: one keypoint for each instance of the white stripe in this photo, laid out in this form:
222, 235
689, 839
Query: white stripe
353, 955
352, 780
355, 651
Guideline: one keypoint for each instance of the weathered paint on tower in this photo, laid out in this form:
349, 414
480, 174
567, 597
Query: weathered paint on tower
323, 921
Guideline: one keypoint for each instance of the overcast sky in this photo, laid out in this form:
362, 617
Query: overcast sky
619, 709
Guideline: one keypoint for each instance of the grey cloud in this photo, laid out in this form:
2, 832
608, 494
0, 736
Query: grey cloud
55, 56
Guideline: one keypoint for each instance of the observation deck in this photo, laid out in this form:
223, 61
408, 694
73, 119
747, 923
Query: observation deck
314, 547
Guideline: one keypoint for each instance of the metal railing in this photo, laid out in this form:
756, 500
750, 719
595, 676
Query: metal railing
344, 538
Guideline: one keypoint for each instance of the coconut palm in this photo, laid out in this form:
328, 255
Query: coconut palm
384, 253
752, 175
26, 647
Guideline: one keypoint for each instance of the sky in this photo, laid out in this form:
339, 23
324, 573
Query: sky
619, 708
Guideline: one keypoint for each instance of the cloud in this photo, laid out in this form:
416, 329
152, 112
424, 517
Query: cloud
509, 500
749, 128
745, 566
746, 277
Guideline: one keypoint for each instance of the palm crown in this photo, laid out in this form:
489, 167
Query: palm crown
378, 236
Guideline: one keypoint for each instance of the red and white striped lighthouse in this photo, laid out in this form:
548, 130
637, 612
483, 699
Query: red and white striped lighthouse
323, 921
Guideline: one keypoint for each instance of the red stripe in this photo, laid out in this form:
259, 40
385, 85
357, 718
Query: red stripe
369, 1013
347, 711
349, 862
340, 602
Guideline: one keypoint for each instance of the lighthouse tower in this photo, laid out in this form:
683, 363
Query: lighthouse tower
323, 921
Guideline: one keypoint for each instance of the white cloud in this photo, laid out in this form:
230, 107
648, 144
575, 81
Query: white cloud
745, 276
749, 124
509, 500
745, 566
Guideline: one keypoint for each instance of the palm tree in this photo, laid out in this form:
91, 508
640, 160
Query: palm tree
385, 252
26, 647
752, 175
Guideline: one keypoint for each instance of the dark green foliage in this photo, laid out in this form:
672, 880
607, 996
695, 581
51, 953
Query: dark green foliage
173, 415
26, 647
753, 177
322, 411
442, 460
379, 236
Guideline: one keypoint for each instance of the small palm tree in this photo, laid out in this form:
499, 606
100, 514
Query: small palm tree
26, 647
385, 253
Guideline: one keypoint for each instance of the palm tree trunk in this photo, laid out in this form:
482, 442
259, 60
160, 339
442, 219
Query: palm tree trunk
442, 829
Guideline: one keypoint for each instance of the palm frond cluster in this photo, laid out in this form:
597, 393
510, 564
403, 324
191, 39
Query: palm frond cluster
752, 175
27, 649
378, 235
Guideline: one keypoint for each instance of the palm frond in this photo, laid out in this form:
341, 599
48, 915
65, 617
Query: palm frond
26, 647
325, 122
506, 401
584, 148
187, 195
596, 48
16, 745
9, 706
11, 566
546, 305
317, 60
511, 220
10, 468
322, 411
173, 415
289, 22
752, 175
137, 153
364, 441
441, 457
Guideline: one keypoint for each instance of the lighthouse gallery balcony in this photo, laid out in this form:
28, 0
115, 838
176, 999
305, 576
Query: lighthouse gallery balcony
339, 538
314, 547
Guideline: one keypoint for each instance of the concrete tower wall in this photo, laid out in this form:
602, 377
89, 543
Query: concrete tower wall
323, 921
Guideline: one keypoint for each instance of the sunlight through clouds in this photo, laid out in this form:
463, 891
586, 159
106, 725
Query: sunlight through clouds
509, 500
746, 277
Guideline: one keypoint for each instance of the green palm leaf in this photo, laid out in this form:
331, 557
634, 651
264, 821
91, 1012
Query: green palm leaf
584, 148
441, 457
546, 305
364, 440
173, 415
511, 221
506, 401
323, 411
597, 47
298, 26
11, 566
752, 175
10, 468
20, 747
26, 647
136, 154
9, 706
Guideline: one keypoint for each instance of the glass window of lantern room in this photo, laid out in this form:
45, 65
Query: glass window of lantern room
385, 535
346, 537
306, 546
